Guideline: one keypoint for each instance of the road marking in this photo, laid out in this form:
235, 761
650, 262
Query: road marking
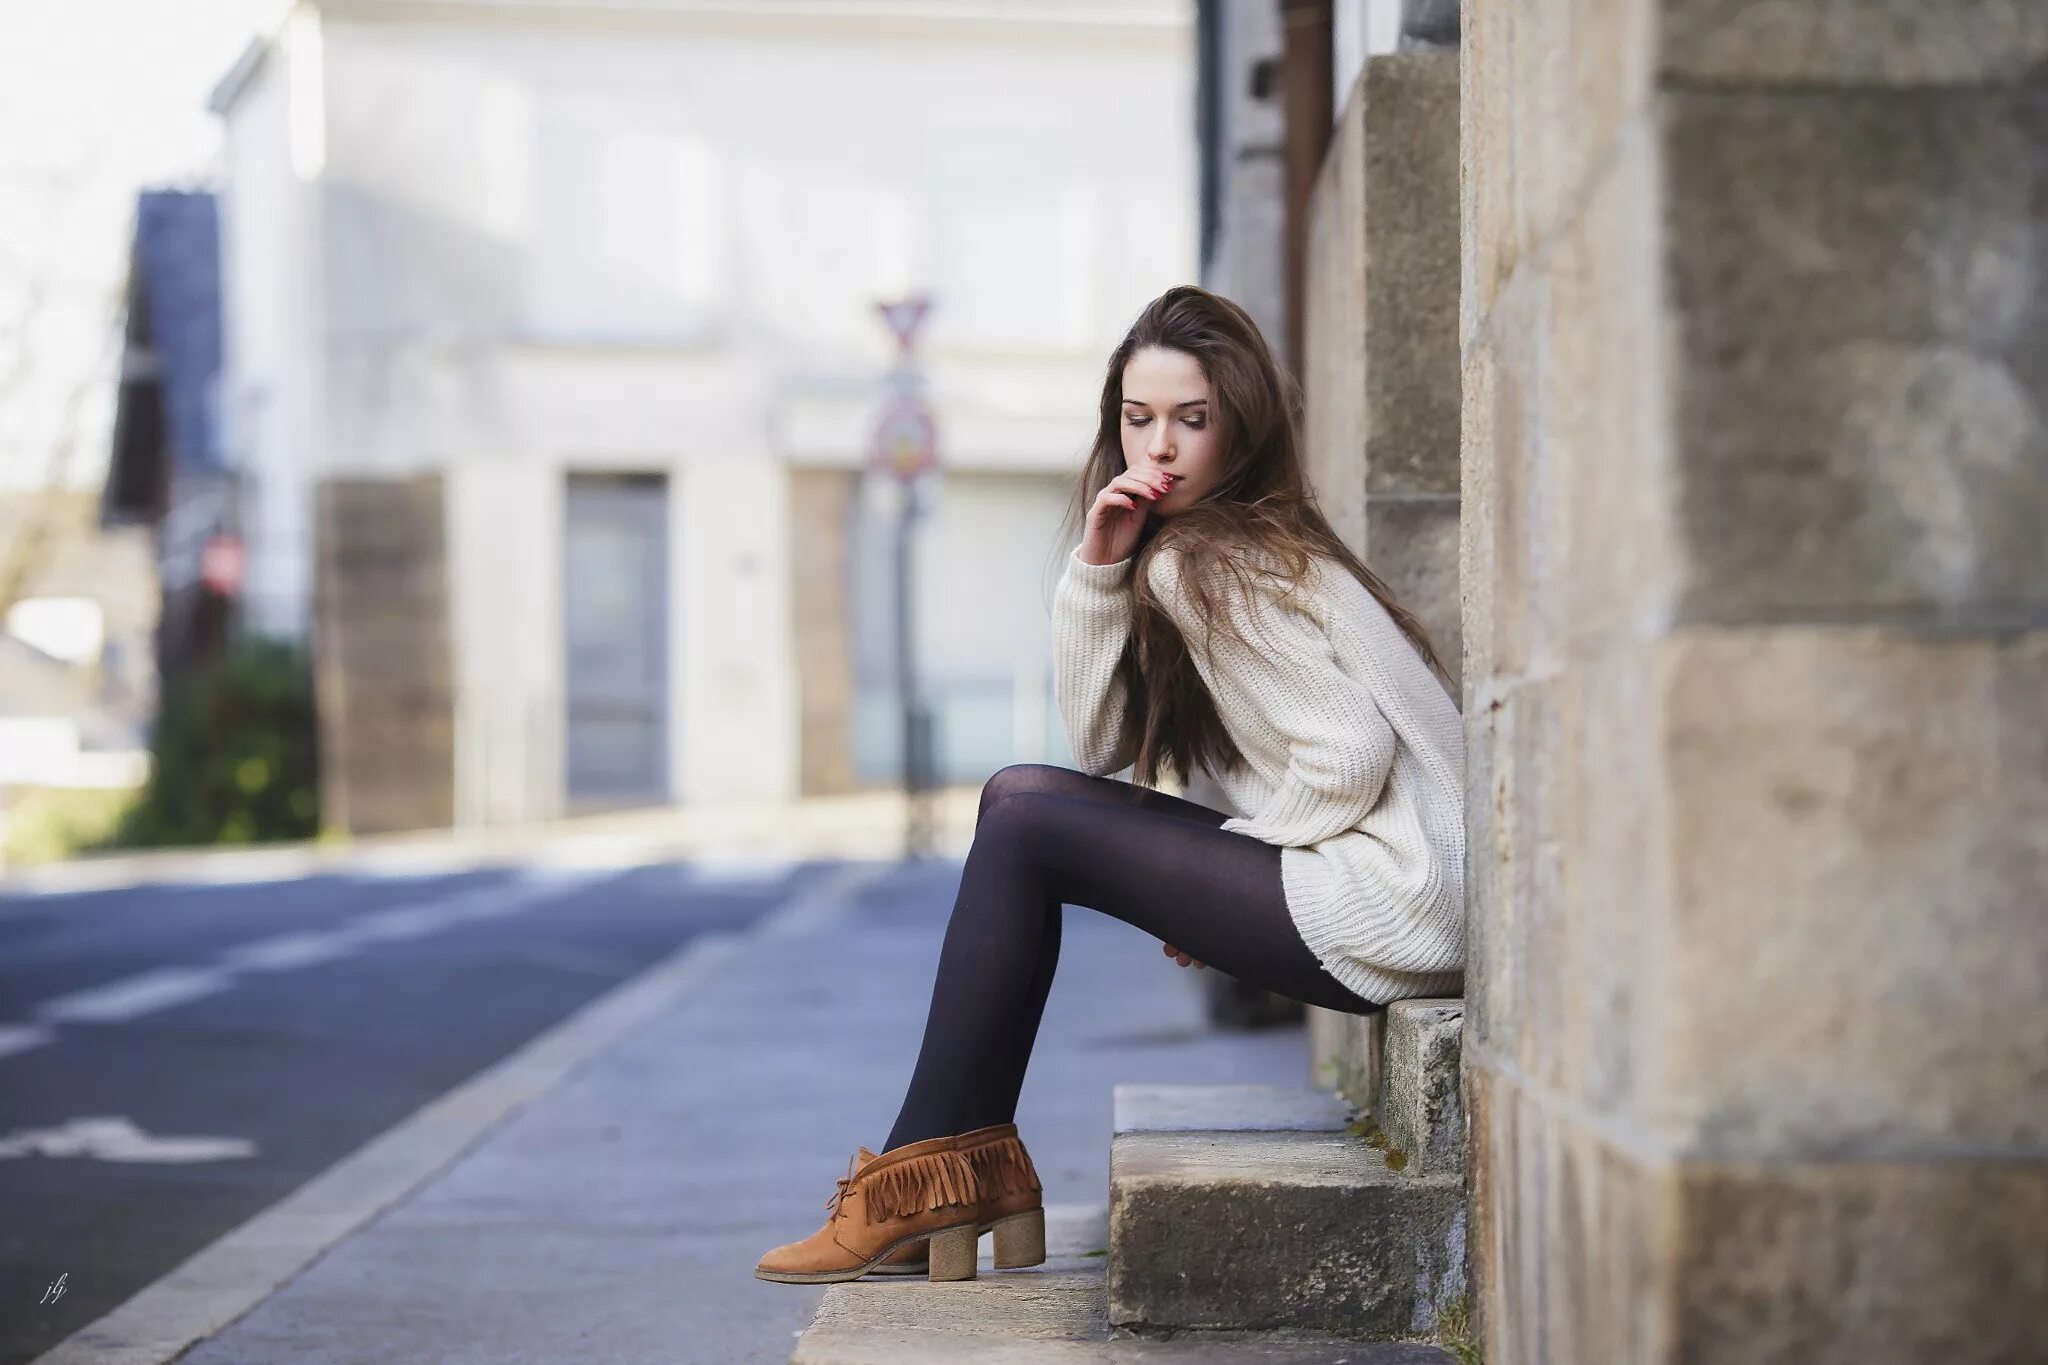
113, 1137
735, 870
21, 1037
162, 987
398, 922
116, 1001
289, 950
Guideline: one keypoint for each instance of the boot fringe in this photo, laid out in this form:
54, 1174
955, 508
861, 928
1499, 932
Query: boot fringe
925, 1182
1002, 1167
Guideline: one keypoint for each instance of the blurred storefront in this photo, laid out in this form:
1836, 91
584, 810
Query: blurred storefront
584, 297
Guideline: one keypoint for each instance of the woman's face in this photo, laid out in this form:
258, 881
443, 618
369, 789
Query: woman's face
1168, 424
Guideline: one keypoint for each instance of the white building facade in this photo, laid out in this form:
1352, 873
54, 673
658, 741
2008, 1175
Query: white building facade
610, 271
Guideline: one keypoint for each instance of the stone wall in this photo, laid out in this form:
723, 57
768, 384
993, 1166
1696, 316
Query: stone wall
1754, 336
1381, 378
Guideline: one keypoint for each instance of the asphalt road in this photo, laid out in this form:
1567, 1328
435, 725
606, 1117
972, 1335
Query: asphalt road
174, 1059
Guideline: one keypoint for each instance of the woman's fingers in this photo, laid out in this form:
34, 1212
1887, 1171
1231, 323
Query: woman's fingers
1180, 957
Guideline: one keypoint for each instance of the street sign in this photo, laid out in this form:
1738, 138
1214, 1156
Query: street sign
904, 317
222, 562
905, 444
906, 441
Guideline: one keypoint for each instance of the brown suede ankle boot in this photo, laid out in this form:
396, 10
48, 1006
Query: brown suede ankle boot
910, 1195
1010, 1199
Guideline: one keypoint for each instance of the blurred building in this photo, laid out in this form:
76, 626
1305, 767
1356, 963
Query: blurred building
553, 357
166, 470
77, 685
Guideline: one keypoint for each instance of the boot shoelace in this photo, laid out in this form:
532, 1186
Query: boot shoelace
845, 1184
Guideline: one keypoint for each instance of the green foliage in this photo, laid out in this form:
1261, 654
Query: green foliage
233, 757
1454, 1331
50, 824
1367, 1127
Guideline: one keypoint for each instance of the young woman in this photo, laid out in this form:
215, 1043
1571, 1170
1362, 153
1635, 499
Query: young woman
1209, 617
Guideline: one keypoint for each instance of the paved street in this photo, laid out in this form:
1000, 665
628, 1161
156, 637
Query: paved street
616, 1215
174, 1059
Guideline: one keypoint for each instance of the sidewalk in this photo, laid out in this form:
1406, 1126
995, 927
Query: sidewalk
616, 1215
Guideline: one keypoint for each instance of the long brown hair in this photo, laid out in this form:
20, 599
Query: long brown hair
1262, 512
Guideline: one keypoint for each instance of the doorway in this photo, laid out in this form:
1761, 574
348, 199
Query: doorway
615, 638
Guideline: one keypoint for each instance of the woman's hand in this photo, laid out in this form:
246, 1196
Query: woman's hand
1119, 513
1182, 958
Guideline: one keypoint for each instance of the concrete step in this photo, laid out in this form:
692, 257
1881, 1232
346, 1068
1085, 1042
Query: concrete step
1054, 1313
1401, 1067
1257, 1208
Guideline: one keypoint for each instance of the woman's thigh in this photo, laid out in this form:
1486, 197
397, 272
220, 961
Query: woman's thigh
1214, 894
1049, 777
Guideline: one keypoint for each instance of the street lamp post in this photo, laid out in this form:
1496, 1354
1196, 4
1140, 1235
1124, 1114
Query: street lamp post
906, 449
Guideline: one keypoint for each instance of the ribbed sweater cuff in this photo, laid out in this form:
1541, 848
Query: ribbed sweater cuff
1096, 582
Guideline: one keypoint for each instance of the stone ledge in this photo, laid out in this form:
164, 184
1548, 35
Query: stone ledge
1281, 1229
1051, 1313
1240, 1108
1402, 1066
1421, 1105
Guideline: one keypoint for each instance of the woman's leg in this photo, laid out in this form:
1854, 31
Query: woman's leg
1046, 837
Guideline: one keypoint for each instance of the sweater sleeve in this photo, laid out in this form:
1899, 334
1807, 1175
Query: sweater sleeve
1091, 621
1286, 677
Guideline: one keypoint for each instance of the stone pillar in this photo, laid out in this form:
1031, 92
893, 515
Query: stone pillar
1381, 425
821, 504
1755, 345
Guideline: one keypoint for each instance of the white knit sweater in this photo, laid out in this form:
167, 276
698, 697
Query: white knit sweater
1356, 757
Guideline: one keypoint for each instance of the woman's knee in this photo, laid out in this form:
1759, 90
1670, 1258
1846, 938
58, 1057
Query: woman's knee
1018, 778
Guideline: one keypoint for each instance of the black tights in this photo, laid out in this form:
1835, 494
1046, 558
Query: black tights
1046, 836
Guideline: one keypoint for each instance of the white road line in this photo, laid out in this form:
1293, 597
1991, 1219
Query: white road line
114, 1137
398, 922
21, 1037
735, 870
162, 987
289, 950
155, 989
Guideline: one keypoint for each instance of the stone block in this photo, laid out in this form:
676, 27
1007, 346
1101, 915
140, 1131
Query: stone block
1600, 547
1570, 1236
1853, 956
1412, 544
1055, 1312
1544, 91
1421, 1102
1333, 328
1482, 624
1208, 1108
1565, 813
1600, 1251
1860, 347
1873, 1263
1278, 1230
1236, 1227
1408, 174
1842, 42
1507, 468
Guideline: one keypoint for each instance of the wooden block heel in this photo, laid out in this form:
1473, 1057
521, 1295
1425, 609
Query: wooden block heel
950, 1255
1020, 1240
